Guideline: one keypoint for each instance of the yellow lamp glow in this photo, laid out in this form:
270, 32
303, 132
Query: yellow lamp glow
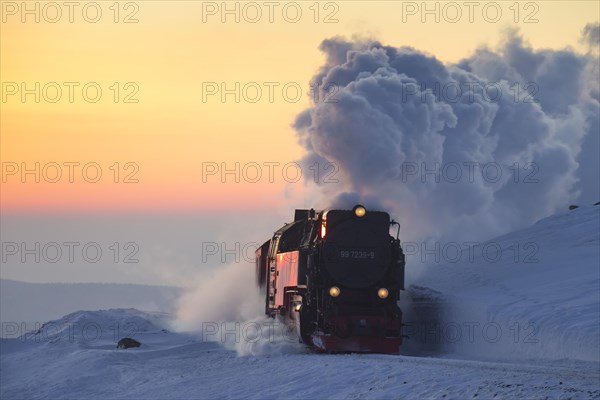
360, 211
334, 291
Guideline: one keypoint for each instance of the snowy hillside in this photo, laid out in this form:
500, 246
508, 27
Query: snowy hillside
533, 293
502, 329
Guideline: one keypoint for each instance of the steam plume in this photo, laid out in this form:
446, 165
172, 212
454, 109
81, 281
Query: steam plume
384, 111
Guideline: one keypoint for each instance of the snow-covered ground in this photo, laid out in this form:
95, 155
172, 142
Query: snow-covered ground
479, 329
76, 363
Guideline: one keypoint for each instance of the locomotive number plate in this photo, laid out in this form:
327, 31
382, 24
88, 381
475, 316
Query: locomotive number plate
358, 254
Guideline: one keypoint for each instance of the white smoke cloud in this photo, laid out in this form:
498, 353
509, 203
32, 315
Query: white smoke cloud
591, 35
227, 294
266, 336
509, 134
227, 307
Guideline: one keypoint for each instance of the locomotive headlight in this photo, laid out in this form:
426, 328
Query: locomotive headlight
359, 211
383, 293
334, 291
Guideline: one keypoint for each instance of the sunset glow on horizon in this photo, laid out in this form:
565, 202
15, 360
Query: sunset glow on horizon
161, 114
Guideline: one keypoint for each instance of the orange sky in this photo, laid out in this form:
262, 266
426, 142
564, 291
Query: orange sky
163, 61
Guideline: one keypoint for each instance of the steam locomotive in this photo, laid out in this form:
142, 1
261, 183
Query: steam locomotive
336, 276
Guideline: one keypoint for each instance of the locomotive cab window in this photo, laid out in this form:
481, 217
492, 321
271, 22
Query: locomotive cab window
274, 247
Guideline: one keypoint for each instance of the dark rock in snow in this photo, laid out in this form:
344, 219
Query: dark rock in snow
573, 206
126, 343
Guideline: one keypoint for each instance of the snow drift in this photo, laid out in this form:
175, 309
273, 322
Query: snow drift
530, 294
